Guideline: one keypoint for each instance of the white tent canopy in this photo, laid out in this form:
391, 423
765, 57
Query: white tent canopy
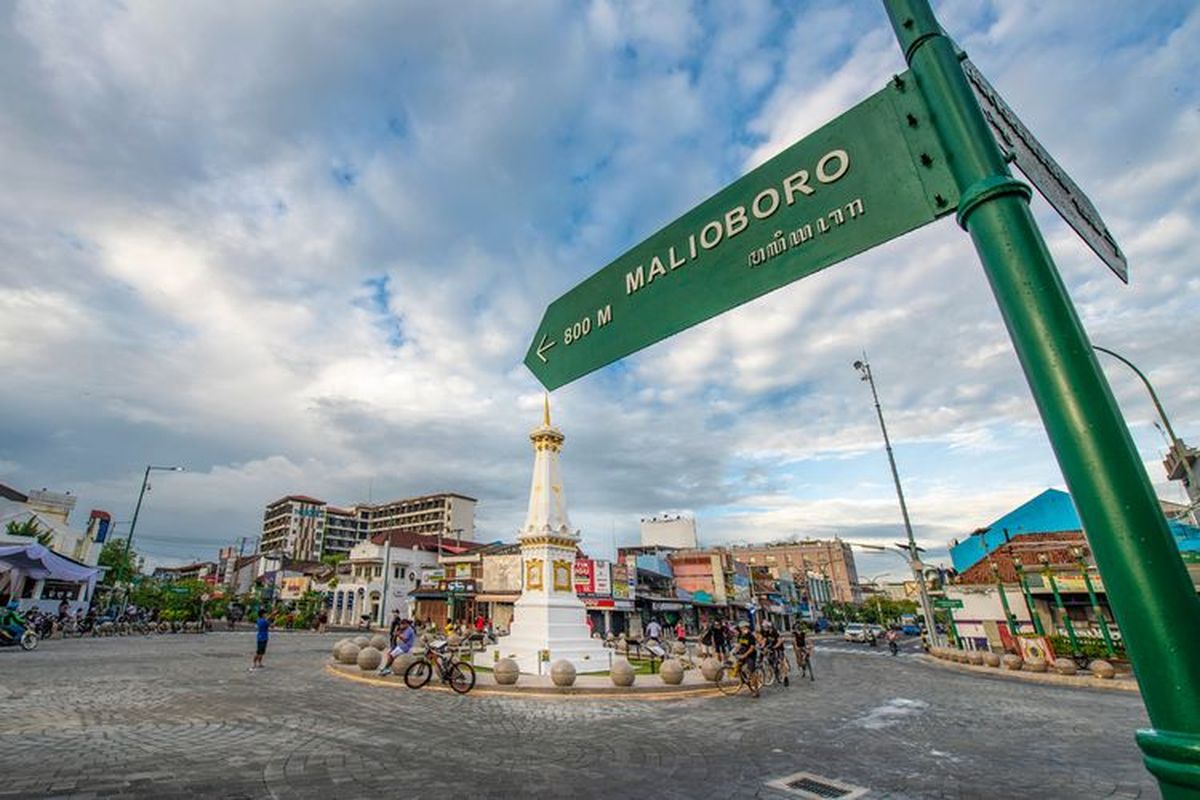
35, 575
39, 562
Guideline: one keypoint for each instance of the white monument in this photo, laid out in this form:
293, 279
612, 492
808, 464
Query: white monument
548, 616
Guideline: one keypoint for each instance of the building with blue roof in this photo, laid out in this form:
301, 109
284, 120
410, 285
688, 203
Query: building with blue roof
1052, 511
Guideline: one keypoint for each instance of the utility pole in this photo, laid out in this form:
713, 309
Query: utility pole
914, 554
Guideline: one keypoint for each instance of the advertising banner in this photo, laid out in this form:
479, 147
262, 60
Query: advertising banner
622, 585
293, 588
602, 578
1033, 647
584, 584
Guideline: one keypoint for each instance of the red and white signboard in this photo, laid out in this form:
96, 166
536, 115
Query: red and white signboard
601, 578
584, 576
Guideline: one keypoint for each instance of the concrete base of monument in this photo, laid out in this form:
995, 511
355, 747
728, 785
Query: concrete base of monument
646, 687
557, 627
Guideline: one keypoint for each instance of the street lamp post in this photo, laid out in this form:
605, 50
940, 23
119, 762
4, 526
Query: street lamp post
1178, 448
138, 508
864, 368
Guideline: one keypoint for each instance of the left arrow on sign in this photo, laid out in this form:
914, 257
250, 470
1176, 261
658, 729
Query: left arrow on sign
544, 346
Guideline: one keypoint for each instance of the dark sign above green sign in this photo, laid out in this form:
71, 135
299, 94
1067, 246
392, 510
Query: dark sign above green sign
870, 175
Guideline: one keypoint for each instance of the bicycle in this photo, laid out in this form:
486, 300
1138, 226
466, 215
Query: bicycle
804, 661
459, 674
777, 663
731, 679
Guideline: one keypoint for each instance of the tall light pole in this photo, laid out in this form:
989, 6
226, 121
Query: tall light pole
914, 558
1178, 449
137, 509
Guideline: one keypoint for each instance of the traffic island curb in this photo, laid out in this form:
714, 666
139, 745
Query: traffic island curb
1127, 684
577, 692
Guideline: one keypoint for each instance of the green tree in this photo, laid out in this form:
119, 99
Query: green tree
31, 529
333, 559
122, 566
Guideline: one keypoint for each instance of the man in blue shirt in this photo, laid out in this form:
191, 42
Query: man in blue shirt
262, 625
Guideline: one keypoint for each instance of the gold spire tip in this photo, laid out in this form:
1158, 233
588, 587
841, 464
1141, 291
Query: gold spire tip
546, 409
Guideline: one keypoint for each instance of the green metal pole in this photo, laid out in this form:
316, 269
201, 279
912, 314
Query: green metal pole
953, 628
1029, 606
1147, 584
1008, 614
1087, 581
1062, 612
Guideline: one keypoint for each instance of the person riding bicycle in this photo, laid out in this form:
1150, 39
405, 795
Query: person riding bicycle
773, 647
745, 651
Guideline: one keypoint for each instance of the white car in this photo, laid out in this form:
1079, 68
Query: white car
855, 632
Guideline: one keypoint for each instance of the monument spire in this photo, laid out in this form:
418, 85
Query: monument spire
547, 515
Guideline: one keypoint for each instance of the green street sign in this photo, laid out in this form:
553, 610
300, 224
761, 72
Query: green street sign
947, 602
874, 173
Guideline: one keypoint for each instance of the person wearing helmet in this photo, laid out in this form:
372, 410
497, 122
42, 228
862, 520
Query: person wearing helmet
745, 651
773, 651
12, 624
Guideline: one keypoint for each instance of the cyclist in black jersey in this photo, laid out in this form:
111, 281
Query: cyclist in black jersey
773, 650
745, 650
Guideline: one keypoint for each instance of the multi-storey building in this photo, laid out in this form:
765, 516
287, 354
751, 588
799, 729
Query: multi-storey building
449, 514
294, 526
344, 528
831, 558
307, 528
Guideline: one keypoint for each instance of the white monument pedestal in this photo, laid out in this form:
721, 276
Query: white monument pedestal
558, 627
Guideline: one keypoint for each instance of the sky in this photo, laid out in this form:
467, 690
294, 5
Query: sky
303, 247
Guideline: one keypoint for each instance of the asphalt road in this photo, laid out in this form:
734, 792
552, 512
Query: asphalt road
179, 716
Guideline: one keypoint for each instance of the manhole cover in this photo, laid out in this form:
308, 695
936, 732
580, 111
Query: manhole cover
816, 787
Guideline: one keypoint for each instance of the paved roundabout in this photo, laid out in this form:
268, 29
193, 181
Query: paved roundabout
179, 716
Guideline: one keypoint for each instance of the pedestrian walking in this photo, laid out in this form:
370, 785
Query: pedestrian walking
263, 626
680, 631
720, 639
654, 632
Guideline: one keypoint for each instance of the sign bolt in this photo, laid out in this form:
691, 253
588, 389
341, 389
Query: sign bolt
912, 121
926, 160
898, 82
939, 201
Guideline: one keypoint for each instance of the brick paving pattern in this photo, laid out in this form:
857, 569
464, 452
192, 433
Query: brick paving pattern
179, 716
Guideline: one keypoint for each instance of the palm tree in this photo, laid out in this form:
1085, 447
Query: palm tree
31, 529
